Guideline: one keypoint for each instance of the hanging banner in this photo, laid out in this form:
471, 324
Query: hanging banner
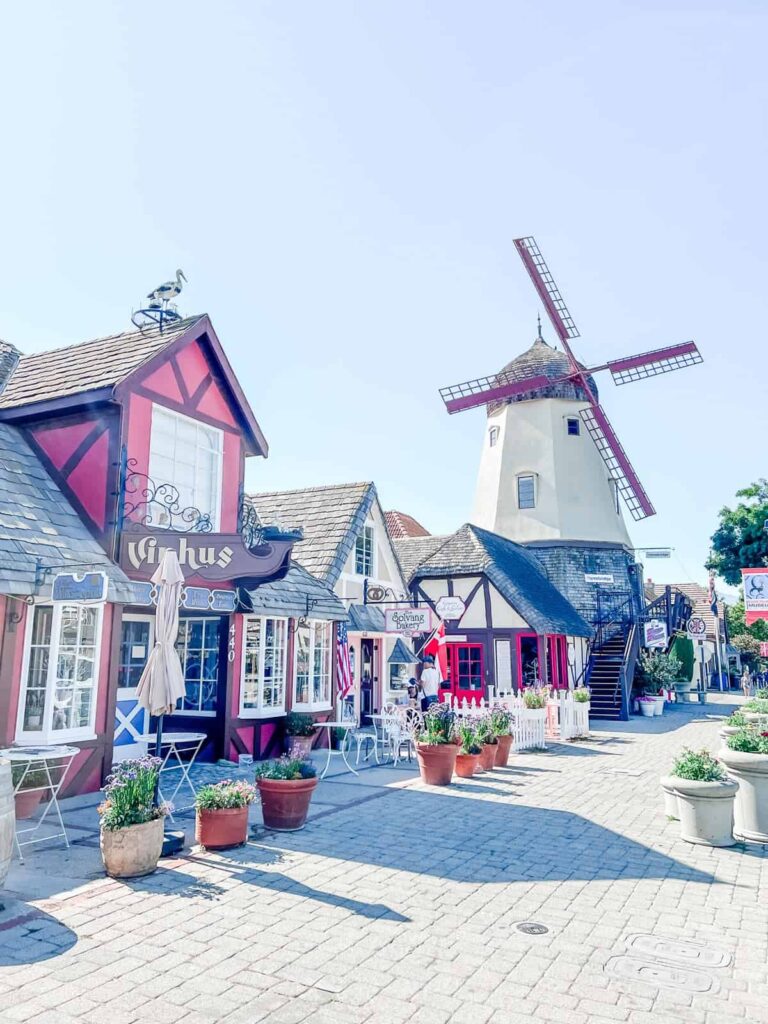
408, 620
755, 594
655, 633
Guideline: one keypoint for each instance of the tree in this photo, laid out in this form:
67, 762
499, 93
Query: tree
737, 624
682, 648
741, 541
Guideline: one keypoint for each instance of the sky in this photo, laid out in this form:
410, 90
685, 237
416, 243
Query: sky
341, 183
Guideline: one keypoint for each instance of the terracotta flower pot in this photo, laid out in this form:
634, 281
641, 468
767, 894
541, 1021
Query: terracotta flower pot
133, 851
488, 756
221, 828
751, 808
27, 801
285, 802
436, 763
300, 746
503, 748
466, 765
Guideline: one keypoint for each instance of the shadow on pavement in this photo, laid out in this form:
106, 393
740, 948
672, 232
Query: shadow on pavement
29, 935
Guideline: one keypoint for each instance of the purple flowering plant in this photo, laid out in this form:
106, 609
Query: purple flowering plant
130, 793
229, 793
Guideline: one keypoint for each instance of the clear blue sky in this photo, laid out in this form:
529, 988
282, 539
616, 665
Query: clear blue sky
342, 181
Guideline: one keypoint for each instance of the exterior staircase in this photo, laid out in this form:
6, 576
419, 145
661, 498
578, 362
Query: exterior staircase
605, 677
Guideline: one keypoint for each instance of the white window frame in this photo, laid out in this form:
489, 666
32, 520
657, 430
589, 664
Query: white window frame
366, 529
260, 711
190, 711
518, 478
159, 411
323, 705
47, 734
493, 436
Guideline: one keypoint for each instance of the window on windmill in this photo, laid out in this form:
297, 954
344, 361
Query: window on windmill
616, 502
493, 436
364, 552
526, 491
573, 426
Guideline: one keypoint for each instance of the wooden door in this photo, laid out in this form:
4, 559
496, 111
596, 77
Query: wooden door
466, 672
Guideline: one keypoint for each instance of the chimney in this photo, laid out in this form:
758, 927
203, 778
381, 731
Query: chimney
9, 360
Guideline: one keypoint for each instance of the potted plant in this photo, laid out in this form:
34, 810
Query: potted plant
33, 787
436, 748
658, 671
131, 833
501, 723
647, 706
221, 814
470, 749
582, 697
755, 712
733, 724
704, 798
487, 738
300, 730
535, 702
286, 787
745, 756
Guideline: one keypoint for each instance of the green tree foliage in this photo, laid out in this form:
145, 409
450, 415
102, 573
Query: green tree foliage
682, 648
740, 541
737, 624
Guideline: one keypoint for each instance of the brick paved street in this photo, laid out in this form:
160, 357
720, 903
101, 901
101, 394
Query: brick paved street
400, 903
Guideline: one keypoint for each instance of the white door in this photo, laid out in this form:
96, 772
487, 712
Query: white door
132, 721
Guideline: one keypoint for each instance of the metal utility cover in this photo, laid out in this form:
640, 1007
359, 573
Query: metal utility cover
679, 951
662, 975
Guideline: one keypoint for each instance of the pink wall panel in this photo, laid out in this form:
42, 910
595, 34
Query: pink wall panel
59, 443
88, 480
139, 428
193, 365
215, 405
230, 477
163, 382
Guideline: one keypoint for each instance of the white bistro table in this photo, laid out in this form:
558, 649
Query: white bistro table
47, 766
172, 746
336, 725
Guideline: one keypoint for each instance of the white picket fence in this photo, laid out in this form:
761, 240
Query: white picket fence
562, 719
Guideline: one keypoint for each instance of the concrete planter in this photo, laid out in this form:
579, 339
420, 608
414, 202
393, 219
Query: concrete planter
659, 700
706, 810
760, 721
682, 688
647, 708
671, 808
133, 851
751, 811
7, 820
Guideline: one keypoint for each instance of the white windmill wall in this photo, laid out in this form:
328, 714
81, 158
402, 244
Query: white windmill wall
575, 498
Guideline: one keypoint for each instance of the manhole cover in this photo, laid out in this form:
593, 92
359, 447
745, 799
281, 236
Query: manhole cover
632, 968
680, 951
532, 928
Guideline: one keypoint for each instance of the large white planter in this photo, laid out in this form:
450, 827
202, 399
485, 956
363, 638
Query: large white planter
751, 810
659, 705
647, 708
670, 797
706, 810
7, 820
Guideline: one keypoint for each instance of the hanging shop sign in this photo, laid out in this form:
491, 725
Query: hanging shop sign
450, 607
374, 593
598, 577
655, 633
211, 556
697, 627
408, 620
657, 552
755, 594
192, 598
85, 588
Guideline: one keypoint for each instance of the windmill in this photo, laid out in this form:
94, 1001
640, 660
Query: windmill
512, 382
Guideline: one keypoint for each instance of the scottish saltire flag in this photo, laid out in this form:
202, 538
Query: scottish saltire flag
343, 663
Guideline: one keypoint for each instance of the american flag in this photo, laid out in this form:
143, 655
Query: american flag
343, 663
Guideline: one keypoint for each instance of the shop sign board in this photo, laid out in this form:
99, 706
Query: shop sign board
408, 620
697, 628
450, 607
655, 633
79, 588
764, 648
211, 556
598, 577
755, 594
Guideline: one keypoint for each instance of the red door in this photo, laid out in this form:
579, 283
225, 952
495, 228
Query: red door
466, 676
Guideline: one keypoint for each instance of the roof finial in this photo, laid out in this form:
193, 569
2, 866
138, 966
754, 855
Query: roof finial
538, 325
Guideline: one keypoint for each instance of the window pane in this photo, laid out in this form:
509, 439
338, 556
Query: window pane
198, 647
76, 666
301, 692
37, 670
187, 455
525, 492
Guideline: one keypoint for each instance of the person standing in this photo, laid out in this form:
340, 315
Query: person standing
746, 682
429, 683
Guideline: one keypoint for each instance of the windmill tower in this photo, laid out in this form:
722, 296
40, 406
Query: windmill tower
553, 473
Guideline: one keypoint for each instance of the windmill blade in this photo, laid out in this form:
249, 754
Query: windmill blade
651, 364
619, 466
549, 293
472, 393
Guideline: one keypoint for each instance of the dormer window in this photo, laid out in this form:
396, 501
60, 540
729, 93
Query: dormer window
493, 436
526, 490
184, 454
364, 552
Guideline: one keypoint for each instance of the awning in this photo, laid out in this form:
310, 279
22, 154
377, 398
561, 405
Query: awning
366, 618
402, 654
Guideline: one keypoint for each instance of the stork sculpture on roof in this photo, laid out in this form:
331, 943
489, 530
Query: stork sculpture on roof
160, 310
565, 377
166, 291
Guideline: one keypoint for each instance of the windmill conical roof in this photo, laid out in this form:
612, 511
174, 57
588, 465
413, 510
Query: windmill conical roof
539, 359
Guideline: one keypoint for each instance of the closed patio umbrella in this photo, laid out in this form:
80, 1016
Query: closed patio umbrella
162, 681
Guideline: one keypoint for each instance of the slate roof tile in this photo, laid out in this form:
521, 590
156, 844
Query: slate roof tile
288, 596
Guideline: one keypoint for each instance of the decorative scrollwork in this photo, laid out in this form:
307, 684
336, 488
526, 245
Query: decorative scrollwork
146, 503
249, 524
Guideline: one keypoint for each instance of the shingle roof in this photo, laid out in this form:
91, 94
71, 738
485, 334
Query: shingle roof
86, 366
400, 524
697, 594
331, 518
366, 618
289, 595
413, 551
37, 522
516, 574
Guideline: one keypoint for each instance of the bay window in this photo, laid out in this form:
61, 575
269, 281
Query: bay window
58, 701
312, 671
185, 454
262, 686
